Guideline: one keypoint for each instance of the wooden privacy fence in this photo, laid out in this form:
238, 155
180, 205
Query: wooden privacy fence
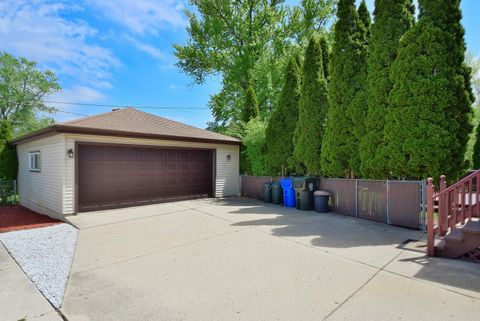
399, 203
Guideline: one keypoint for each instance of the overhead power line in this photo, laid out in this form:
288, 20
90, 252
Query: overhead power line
122, 106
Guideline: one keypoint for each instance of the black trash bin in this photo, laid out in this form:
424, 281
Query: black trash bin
304, 187
277, 193
267, 193
321, 201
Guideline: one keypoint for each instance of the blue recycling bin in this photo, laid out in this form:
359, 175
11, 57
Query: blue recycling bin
288, 192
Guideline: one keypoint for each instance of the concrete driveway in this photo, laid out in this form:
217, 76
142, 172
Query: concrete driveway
238, 259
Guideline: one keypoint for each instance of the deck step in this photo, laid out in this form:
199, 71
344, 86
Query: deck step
455, 236
472, 227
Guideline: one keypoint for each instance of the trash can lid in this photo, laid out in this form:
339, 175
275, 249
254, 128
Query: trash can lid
321, 193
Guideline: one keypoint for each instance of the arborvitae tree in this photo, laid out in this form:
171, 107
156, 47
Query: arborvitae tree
281, 127
358, 107
347, 72
392, 20
422, 139
476, 150
250, 109
364, 16
8, 155
312, 111
447, 16
325, 53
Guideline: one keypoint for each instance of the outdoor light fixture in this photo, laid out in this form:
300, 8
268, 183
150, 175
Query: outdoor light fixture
70, 153
229, 157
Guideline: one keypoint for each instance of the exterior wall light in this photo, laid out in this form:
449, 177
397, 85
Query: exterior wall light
70, 153
229, 157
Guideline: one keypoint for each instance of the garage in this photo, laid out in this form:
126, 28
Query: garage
121, 176
122, 158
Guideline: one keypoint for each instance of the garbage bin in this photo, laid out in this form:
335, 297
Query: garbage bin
267, 193
277, 193
321, 201
304, 187
288, 192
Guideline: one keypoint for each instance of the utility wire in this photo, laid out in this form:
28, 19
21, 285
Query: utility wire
122, 106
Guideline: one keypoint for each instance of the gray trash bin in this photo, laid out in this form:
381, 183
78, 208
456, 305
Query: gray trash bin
267, 193
321, 201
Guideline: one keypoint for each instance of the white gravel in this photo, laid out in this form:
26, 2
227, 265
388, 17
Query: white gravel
45, 255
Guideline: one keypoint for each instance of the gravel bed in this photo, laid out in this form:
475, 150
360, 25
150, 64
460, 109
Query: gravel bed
45, 255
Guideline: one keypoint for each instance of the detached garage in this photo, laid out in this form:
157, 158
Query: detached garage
123, 158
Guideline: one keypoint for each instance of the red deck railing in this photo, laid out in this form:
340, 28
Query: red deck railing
457, 204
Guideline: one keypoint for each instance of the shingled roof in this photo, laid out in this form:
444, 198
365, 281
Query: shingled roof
130, 122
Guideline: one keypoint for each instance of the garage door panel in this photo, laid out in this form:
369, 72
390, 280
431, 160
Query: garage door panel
120, 176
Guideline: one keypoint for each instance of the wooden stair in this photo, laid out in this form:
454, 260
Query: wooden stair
459, 241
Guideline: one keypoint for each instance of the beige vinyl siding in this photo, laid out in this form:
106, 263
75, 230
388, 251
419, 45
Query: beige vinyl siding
42, 191
227, 172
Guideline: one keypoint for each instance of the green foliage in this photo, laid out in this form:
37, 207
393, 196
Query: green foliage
22, 88
8, 154
246, 42
365, 19
422, 139
250, 109
325, 53
347, 73
312, 111
446, 15
392, 20
281, 127
357, 110
476, 149
254, 142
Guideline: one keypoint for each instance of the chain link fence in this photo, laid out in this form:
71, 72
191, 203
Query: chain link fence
399, 203
8, 193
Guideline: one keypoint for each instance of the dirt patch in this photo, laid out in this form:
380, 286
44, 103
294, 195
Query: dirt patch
14, 218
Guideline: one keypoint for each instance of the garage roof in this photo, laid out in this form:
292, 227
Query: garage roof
130, 122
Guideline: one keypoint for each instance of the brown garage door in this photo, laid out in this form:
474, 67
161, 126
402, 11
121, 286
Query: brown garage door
120, 176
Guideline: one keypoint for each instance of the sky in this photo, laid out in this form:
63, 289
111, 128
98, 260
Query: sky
119, 52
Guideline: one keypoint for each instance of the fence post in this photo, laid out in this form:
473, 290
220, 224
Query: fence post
423, 205
389, 217
356, 198
430, 218
442, 218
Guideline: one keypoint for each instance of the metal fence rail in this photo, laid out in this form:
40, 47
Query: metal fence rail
392, 202
8, 192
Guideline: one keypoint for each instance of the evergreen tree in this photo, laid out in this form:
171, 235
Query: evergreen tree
392, 20
325, 53
312, 111
281, 127
447, 16
422, 139
250, 109
476, 150
8, 155
365, 19
358, 107
346, 72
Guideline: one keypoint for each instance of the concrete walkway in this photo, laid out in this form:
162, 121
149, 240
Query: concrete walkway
239, 259
19, 298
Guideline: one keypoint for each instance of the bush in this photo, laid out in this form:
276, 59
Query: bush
8, 162
254, 142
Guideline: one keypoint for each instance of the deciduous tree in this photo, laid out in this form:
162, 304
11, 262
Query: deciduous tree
22, 89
